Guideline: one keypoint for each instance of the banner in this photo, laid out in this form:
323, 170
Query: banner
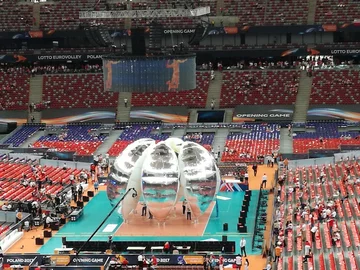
85, 260
259, 29
149, 74
93, 261
226, 51
65, 116
266, 112
179, 31
284, 112
166, 114
67, 268
21, 259
327, 112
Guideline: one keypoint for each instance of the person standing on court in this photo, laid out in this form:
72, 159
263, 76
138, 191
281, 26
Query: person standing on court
246, 175
255, 168
143, 210
264, 180
188, 213
242, 247
184, 206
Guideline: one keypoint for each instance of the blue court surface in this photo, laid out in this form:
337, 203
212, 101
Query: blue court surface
229, 205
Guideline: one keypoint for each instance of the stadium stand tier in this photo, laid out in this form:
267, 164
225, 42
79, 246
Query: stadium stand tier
64, 15
15, 88
267, 12
75, 138
323, 215
333, 11
77, 91
324, 136
14, 17
259, 87
334, 87
255, 140
22, 134
133, 133
14, 170
192, 98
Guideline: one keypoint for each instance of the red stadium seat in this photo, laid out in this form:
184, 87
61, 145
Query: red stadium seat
332, 87
334, 11
15, 88
259, 87
77, 91
192, 98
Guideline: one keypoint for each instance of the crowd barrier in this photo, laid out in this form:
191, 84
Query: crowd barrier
293, 164
11, 239
69, 164
348, 155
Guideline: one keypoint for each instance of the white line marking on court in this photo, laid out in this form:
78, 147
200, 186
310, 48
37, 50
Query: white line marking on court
110, 228
223, 198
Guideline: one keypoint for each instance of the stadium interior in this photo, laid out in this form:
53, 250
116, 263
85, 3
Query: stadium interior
177, 134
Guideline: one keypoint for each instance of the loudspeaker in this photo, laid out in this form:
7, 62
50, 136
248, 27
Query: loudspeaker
39, 241
242, 220
225, 227
63, 240
90, 193
80, 204
242, 228
47, 234
85, 198
138, 41
224, 238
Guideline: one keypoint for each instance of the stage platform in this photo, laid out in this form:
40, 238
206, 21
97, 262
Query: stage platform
210, 225
143, 226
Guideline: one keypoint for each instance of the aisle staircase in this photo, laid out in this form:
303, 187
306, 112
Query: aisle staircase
311, 12
122, 112
178, 133
128, 21
219, 6
109, 141
214, 90
32, 139
286, 142
220, 139
35, 95
36, 16
229, 113
302, 98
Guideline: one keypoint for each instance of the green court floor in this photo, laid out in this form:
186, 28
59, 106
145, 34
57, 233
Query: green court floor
229, 204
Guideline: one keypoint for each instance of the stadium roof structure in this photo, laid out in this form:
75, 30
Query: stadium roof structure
149, 14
